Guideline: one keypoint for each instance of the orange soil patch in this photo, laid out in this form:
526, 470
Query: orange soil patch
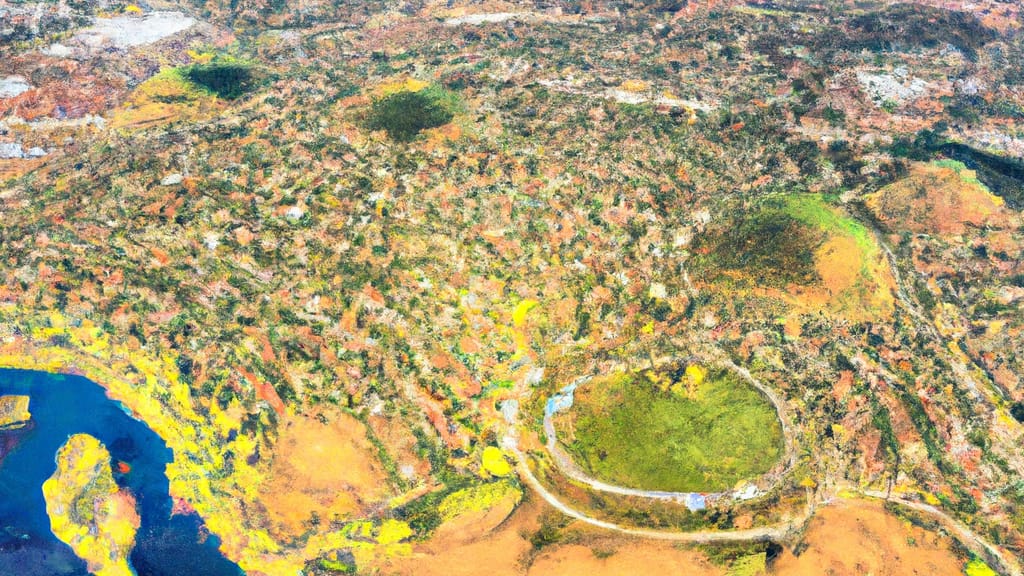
15, 168
851, 538
856, 538
630, 558
264, 391
836, 263
936, 199
480, 550
840, 263
330, 470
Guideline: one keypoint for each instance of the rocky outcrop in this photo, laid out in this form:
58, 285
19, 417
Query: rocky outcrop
14, 412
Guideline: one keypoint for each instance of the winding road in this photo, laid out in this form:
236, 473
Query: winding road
759, 534
997, 559
769, 481
778, 531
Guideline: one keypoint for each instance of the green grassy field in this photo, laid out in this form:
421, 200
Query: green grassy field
625, 430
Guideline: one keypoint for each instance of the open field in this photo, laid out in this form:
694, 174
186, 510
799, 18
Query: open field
629, 430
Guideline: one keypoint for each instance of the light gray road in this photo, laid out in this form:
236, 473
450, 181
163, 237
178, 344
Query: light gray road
776, 532
1003, 563
992, 555
568, 467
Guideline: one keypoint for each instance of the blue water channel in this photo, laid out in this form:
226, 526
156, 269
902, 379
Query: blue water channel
61, 405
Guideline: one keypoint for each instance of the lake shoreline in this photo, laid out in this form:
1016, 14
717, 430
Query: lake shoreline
166, 541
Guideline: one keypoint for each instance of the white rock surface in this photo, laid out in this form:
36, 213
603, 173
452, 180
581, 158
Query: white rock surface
58, 50
172, 180
12, 86
9, 150
896, 87
211, 240
128, 31
124, 32
477, 19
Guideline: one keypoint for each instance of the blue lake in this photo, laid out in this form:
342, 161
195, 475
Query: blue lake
61, 405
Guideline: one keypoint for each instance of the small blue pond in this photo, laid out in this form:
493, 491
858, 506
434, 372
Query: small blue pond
166, 545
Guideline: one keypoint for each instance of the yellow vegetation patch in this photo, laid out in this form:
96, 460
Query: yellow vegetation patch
696, 374
493, 462
521, 310
393, 531
200, 57
978, 568
836, 262
166, 97
477, 498
403, 85
634, 86
87, 510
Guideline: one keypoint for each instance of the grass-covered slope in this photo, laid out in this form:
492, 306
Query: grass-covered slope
629, 430
803, 250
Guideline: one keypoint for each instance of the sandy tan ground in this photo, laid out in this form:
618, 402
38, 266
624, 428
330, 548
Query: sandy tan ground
857, 538
633, 558
850, 538
936, 199
482, 545
328, 469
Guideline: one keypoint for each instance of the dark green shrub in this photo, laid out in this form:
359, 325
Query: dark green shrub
228, 80
404, 115
1017, 411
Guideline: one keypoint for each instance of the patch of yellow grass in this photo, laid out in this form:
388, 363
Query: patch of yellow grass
403, 85
493, 462
634, 86
165, 98
477, 499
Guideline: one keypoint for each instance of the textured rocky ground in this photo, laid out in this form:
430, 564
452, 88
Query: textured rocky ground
236, 227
